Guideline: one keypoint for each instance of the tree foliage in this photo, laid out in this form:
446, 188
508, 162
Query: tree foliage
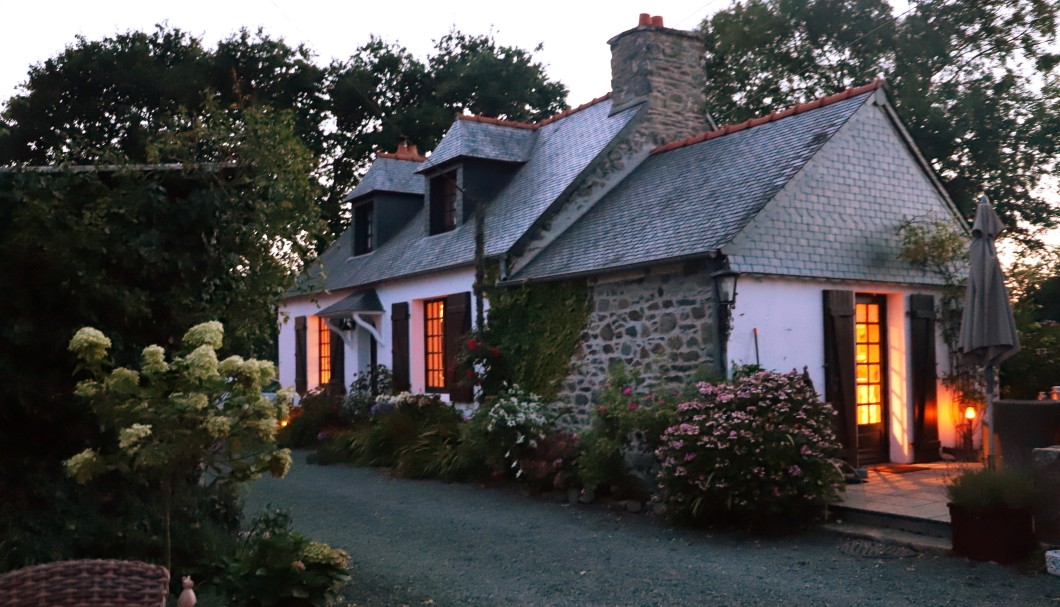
974, 82
106, 96
141, 253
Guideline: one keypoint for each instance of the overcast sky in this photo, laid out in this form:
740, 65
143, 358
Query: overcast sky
574, 34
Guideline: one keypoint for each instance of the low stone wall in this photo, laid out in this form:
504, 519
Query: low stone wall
661, 326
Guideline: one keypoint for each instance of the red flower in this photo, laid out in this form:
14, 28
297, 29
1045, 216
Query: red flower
495, 351
472, 344
632, 406
470, 374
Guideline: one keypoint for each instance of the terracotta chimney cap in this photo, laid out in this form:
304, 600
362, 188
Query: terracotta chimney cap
657, 21
405, 151
645, 19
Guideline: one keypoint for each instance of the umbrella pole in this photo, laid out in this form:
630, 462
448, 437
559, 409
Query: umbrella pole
990, 460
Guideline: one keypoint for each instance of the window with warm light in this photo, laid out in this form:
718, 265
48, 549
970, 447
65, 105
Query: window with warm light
324, 348
868, 342
434, 335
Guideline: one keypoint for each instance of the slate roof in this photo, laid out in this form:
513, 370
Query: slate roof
389, 174
562, 148
693, 197
362, 301
474, 138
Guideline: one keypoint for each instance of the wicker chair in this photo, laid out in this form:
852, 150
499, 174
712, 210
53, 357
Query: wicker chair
86, 583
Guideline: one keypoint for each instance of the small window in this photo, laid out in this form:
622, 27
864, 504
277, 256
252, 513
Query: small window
325, 352
443, 202
434, 335
363, 228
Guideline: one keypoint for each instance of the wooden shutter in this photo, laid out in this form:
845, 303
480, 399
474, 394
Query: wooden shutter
840, 388
399, 339
925, 404
300, 355
457, 326
338, 364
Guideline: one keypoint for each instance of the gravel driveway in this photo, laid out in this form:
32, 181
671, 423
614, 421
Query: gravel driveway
430, 543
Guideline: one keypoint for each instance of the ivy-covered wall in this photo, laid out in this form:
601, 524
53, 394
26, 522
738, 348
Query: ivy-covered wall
537, 328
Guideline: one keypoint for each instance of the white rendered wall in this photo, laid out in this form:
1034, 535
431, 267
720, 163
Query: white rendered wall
789, 316
412, 290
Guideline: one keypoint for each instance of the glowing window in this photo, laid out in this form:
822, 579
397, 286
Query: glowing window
325, 352
434, 334
868, 363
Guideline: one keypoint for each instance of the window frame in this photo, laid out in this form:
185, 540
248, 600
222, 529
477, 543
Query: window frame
324, 337
434, 354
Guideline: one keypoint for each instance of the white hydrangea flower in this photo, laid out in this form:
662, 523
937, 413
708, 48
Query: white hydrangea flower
210, 333
129, 438
89, 344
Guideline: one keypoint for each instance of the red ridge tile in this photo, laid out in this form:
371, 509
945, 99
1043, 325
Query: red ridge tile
772, 116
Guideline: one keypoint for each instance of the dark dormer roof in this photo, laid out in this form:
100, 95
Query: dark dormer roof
475, 137
564, 146
389, 173
362, 301
693, 196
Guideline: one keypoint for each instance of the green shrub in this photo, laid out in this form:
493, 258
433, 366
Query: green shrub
276, 566
316, 412
415, 434
985, 488
507, 428
179, 435
755, 451
365, 388
629, 418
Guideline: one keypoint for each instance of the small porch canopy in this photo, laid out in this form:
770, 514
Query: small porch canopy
354, 308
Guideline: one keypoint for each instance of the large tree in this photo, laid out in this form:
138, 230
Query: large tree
98, 97
975, 82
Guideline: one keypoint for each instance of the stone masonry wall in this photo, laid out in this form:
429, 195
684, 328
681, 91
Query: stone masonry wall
659, 325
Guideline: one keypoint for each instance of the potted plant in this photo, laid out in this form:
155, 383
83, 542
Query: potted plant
991, 516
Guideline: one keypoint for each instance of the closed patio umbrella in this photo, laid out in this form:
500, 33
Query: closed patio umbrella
988, 330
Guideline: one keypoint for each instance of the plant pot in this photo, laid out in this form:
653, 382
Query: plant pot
1002, 535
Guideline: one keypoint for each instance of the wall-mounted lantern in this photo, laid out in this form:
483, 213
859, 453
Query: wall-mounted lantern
725, 294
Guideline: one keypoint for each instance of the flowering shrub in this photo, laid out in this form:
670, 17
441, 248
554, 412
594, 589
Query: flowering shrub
174, 424
507, 428
750, 450
629, 419
550, 465
482, 364
277, 566
415, 434
364, 390
316, 412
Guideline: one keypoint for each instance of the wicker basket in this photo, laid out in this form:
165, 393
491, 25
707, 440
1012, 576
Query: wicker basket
86, 583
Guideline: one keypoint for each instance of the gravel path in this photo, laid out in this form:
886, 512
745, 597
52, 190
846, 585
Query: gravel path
429, 543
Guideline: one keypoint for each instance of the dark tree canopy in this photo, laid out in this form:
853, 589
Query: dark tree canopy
383, 96
102, 97
974, 81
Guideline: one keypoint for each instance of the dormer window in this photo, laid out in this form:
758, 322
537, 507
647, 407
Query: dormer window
443, 202
363, 228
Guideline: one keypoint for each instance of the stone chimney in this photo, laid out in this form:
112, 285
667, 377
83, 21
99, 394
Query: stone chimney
663, 67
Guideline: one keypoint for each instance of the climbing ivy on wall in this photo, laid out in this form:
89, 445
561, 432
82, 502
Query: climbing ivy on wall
537, 328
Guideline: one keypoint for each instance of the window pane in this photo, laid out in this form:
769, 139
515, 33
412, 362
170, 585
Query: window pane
434, 338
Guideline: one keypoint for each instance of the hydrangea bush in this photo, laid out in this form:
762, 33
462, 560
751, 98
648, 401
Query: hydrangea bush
750, 451
192, 420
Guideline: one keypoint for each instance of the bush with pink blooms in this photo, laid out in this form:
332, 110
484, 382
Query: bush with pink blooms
755, 451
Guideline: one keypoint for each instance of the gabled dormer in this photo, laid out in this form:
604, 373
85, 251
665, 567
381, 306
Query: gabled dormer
471, 164
387, 198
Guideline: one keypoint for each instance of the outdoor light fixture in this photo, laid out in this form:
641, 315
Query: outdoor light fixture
725, 295
346, 324
969, 413
725, 287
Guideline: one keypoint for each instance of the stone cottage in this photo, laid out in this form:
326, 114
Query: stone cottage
773, 241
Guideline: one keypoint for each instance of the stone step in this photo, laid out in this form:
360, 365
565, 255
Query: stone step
897, 522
